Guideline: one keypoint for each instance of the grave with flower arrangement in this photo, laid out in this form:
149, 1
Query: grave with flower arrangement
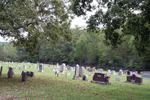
134, 79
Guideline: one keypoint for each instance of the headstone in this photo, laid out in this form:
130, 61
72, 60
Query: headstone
63, 68
85, 78
146, 75
35, 66
108, 71
120, 73
41, 68
1, 70
112, 72
32, 74
100, 70
129, 73
76, 76
57, 65
10, 72
118, 79
66, 75
125, 71
101, 78
81, 71
24, 76
24, 68
135, 80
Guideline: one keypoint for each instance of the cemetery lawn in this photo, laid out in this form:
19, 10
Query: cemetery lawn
48, 87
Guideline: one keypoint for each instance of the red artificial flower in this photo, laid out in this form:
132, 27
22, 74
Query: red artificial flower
108, 76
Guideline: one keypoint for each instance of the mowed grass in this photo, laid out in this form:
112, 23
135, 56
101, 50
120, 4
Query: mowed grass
45, 86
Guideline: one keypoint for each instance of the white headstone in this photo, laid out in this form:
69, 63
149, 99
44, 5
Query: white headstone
76, 76
108, 71
120, 73
24, 68
146, 75
100, 70
112, 72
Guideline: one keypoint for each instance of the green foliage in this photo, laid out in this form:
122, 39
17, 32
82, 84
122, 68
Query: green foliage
119, 15
37, 19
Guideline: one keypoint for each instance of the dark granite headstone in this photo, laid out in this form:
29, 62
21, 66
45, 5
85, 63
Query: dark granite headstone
10, 73
134, 79
1, 71
101, 78
24, 76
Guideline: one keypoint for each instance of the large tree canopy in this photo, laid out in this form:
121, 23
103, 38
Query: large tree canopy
120, 14
37, 19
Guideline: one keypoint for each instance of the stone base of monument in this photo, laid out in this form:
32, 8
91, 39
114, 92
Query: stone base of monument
134, 79
100, 82
30, 74
75, 78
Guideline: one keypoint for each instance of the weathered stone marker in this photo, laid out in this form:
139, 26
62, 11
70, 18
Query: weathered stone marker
76, 76
100, 70
24, 76
24, 68
135, 80
1, 70
63, 69
101, 78
10, 72
81, 71
146, 74
41, 68
118, 79
85, 78
120, 73
112, 72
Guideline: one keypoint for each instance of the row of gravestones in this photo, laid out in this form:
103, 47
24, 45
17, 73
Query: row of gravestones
120, 73
24, 74
102, 78
79, 72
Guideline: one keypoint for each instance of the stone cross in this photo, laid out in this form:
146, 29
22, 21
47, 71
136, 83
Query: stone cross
76, 76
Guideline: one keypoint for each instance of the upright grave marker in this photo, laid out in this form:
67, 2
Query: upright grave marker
135, 80
146, 75
81, 71
76, 76
10, 72
24, 68
41, 68
85, 78
120, 73
24, 76
101, 78
1, 70
112, 72
100, 70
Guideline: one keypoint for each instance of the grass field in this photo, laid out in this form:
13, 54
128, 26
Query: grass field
45, 86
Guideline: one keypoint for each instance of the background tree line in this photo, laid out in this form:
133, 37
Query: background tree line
85, 48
